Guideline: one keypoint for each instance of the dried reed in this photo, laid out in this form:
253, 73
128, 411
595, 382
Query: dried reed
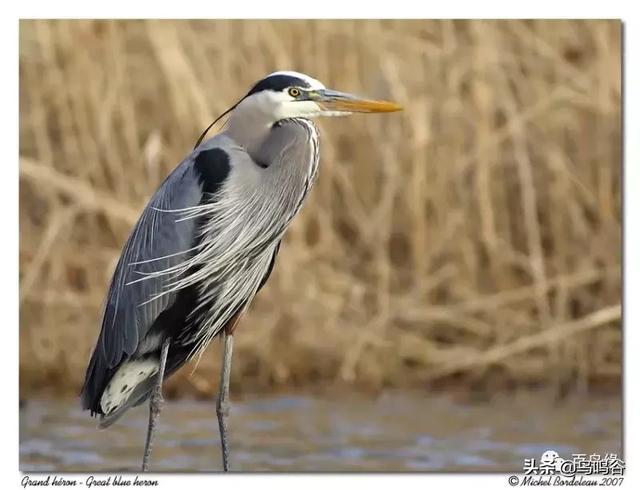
475, 237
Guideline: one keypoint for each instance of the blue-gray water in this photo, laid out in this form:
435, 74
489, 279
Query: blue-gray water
393, 432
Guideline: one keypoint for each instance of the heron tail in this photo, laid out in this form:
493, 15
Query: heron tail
139, 395
129, 386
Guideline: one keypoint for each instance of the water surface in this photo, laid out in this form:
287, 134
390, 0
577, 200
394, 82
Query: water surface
394, 432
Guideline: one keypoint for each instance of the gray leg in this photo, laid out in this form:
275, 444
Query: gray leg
155, 405
222, 407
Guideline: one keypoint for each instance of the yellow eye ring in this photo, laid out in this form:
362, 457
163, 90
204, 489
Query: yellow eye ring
294, 92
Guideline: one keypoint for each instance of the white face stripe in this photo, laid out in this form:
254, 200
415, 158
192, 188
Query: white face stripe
263, 108
314, 84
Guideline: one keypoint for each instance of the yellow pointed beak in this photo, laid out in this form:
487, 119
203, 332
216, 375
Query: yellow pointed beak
332, 101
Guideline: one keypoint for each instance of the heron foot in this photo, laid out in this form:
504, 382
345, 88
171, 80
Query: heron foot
157, 403
155, 406
223, 407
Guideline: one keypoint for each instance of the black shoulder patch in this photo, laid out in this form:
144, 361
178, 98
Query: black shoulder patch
212, 167
278, 83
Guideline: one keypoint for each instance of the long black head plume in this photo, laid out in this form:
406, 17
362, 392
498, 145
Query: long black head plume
204, 133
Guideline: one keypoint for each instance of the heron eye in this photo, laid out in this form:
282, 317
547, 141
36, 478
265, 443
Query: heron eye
294, 92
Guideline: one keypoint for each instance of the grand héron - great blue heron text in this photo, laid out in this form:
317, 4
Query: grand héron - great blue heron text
206, 243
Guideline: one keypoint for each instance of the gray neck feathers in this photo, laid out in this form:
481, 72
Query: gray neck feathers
250, 133
247, 218
287, 155
291, 155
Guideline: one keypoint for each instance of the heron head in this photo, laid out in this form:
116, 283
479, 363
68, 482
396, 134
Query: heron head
287, 94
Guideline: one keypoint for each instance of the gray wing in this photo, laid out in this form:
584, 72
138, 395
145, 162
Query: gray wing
159, 241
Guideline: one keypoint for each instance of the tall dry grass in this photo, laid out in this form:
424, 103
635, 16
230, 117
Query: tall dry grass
474, 238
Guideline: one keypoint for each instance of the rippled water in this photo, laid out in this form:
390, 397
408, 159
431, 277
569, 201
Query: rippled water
394, 432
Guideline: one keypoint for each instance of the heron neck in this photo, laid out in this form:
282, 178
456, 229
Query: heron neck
249, 132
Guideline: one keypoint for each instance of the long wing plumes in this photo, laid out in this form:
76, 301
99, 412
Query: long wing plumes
243, 224
158, 242
212, 230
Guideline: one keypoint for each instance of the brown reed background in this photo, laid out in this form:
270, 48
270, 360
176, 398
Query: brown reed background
474, 239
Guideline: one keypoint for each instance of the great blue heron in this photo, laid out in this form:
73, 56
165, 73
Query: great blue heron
206, 243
